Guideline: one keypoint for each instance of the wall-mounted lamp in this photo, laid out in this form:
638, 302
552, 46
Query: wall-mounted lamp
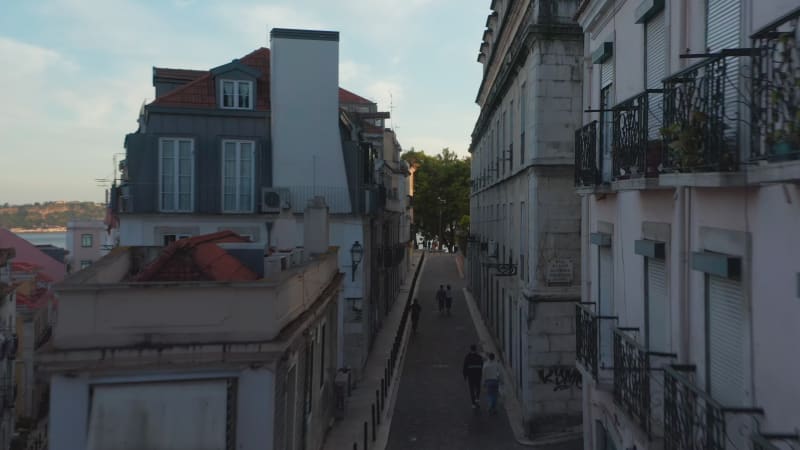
356, 253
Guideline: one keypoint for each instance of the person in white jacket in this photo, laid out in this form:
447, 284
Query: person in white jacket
492, 380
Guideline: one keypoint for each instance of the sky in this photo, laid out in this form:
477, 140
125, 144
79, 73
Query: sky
76, 72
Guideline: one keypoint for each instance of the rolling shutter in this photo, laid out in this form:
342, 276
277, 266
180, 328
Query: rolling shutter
607, 72
606, 307
657, 306
723, 28
726, 340
656, 70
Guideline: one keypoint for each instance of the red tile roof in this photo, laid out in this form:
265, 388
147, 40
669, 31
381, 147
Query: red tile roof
200, 91
198, 258
27, 253
346, 96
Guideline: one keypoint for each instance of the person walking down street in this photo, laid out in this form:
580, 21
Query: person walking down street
473, 370
440, 298
448, 299
415, 310
492, 380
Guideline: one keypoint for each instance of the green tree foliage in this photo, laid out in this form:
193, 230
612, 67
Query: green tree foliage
48, 214
441, 195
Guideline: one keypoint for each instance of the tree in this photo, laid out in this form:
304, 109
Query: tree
441, 194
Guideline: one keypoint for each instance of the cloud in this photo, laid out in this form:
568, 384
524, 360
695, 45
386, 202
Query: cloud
253, 21
349, 71
386, 93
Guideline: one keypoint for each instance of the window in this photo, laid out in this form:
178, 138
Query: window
237, 94
322, 356
85, 263
511, 136
522, 125
86, 240
170, 238
237, 176
176, 168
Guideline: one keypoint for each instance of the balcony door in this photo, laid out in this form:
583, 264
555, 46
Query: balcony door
723, 31
606, 306
655, 70
606, 124
657, 323
727, 328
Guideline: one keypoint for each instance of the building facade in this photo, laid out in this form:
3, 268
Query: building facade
233, 147
86, 243
523, 262
8, 348
687, 166
143, 354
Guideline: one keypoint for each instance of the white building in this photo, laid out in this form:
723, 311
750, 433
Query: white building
688, 169
206, 344
524, 254
232, 147
87, 241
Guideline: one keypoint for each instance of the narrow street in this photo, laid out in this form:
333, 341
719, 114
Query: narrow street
433, 408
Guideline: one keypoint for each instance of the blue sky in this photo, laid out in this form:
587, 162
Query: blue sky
75, 73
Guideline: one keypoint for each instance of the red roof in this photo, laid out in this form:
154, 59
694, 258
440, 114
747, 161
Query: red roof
200, 91
199, 258
346, 96
35, 259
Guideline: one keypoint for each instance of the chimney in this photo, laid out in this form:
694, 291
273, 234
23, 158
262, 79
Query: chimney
307, 154
315, 229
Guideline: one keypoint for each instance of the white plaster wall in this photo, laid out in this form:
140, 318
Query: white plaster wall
255, 409
142, 229
304, 96
69, 412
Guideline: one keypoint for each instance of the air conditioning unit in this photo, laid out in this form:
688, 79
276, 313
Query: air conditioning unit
274, 199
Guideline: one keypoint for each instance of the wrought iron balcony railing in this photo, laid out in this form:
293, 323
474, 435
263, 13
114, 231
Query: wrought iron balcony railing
776, 90
692, 419
586, 337
698, 137
636, 389
587, 172
636, 139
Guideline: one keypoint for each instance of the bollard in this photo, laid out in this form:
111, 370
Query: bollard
373, 423
365, 435
383, 391
378, 402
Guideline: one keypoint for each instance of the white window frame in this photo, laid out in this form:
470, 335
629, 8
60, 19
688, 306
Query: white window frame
85, 263
176, 175
84, 240
237, 196
236, 85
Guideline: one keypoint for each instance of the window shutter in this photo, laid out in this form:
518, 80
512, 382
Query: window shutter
657, 306
656, 69
726, 340
723, 28
607, 72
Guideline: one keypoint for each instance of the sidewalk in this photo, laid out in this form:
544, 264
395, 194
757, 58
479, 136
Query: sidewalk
349, 430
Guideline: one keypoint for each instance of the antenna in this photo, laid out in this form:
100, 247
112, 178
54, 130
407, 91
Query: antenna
391, 111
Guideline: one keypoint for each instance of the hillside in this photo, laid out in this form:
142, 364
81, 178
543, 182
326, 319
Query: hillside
48, 215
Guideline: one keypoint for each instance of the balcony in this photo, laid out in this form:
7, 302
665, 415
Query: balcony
637, 146
694, 421
636, 389
593, 338
697, 134
587, 172
776, 90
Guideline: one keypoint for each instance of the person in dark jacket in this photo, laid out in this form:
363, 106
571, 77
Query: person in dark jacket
415, 310
472, 371
441, 296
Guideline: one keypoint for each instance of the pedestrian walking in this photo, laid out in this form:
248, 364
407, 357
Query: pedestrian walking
448, 299
492, 380
473, 370
440, 298
415, 310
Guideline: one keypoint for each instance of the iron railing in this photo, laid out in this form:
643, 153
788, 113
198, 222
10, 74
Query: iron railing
693, 420
637, 380
697, 135
636, 146
586, 335
775, 441
776, 90
587, 172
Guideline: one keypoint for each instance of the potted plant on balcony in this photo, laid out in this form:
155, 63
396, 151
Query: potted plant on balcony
685, 142
785, 139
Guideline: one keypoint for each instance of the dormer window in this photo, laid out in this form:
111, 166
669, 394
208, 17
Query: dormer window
237, 94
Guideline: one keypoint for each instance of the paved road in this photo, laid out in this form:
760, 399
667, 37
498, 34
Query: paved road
433, 409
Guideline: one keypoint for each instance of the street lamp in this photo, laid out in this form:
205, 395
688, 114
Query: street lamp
356, 253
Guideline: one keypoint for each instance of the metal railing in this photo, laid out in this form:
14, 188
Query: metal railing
636, 145
587, 172
586, 337
693, 420
776, 90
697, 135
636, 388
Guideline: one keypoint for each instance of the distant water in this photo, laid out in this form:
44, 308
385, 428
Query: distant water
57, 239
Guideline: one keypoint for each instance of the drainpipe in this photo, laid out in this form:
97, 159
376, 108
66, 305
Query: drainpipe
684, 222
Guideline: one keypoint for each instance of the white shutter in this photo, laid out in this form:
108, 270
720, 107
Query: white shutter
164, 416
657, 306
656, 70
726, 340
723, 28
607, 72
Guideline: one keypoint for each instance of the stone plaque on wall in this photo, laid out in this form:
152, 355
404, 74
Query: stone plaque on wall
559, 272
